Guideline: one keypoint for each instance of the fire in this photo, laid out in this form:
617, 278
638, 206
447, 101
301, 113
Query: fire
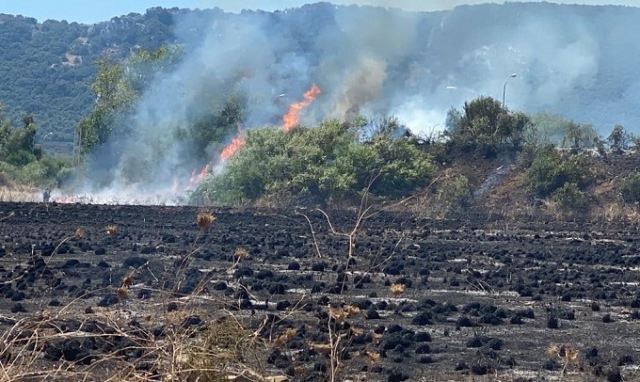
292, 117
203, 173
290, 120
232, 148
196, 177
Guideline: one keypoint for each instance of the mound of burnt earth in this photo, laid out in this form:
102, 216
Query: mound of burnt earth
87, 290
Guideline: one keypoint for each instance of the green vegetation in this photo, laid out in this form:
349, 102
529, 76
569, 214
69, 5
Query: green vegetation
551, 171
570, 197
48, 66
454, 194
117, 86
484, 125
619, 140
552, 129
331, 161
22, 160
631, 188
91, 79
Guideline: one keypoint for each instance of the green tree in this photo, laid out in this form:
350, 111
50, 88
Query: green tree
548, 128
18, 145
330, 161
484, 125
579, 136
23, 160
117, 87
619, 139
205, 135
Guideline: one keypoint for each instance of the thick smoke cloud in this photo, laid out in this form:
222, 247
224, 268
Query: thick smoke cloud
373, 62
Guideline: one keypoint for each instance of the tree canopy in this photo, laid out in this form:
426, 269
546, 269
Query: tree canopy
330, 161
483, 124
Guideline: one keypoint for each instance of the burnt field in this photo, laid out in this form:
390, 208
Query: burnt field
141, 293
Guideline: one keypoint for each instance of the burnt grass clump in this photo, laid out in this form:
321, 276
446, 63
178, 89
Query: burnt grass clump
418, 299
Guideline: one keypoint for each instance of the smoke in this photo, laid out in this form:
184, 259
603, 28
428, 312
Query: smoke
367, 61
362, 84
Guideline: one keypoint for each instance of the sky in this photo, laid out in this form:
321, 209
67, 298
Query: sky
91, 11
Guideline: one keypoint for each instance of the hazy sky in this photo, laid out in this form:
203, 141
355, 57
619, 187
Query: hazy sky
89, 11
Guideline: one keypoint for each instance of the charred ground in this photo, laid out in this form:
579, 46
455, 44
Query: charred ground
479, 295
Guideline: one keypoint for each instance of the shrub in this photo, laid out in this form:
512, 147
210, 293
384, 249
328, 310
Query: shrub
631, 188
550, 171
551, 128
619, 139
49, 171
454, 194
331, 161
569, 196
484, 125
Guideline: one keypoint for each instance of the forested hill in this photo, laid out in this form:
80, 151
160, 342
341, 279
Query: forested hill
47, 68
579, 61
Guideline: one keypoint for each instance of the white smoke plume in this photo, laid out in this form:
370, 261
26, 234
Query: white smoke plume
366, 60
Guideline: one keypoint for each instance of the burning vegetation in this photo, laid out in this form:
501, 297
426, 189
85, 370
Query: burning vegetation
290, 120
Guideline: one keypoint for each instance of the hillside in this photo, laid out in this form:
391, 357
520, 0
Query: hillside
581, 67
48, 67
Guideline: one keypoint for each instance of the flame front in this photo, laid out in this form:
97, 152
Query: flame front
197, 177
290, 120
293, 116
232, 148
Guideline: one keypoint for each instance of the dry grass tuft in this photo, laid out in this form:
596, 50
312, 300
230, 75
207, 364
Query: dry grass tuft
218, 352
205, 219
286, 337
127, 280
112, 229
374, 357
122, 293
567, 353
323, 348
616, 212
338, 315
396, 289
351, 310
240, 253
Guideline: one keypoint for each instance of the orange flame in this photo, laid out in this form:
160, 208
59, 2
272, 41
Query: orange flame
290, 120
196, 177
292, 117
232, 148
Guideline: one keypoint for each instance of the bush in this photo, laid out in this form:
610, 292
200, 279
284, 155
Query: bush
553, 129
48, 172
484, 125
331, 161
619, 140
550, 171
570, 196
631, 189
454, 194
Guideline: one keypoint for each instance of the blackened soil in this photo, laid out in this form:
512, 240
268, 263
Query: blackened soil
481, 297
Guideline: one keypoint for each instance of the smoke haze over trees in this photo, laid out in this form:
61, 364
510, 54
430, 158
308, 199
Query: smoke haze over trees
575, 60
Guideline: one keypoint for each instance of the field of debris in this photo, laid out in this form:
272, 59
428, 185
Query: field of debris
100, 293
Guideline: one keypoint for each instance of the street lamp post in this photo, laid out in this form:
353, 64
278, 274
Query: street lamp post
504, 90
